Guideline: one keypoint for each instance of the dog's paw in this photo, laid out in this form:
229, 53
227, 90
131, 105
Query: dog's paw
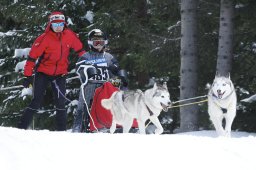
227, 134
224, 134
112, 129
159, 131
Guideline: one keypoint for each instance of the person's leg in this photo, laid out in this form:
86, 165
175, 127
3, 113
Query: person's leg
82, 116
86, 117
59, 90
78, 117
39, 87
89, 93
26, 118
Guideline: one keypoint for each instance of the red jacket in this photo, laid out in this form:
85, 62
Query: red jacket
53, 50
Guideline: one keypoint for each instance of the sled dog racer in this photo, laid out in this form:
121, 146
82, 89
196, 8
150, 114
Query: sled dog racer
107, 66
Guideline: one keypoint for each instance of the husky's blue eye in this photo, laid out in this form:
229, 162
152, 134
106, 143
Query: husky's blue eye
162, 96
224, 84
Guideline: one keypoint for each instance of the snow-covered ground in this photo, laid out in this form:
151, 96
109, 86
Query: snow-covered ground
45, 150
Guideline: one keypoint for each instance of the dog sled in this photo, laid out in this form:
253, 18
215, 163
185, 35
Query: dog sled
98, 118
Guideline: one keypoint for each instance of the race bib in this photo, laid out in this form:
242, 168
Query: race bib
102, 70
102, 74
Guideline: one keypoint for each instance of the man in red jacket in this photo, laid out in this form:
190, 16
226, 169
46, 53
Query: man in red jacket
48, 61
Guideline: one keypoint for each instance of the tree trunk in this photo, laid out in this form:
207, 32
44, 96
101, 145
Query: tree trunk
188, 70
226, 32
142, 8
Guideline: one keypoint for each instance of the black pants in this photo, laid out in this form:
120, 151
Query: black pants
58, 84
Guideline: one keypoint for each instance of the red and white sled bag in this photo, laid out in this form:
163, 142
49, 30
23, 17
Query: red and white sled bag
103, 118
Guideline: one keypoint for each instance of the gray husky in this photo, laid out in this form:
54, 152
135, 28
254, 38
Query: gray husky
126, 106
222, 104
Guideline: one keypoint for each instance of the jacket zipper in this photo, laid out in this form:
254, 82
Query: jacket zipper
60, 55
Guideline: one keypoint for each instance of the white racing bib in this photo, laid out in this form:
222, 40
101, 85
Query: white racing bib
102, 72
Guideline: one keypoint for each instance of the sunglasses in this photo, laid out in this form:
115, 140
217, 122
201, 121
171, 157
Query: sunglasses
59, 24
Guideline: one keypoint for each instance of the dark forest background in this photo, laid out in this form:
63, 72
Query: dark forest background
145, 38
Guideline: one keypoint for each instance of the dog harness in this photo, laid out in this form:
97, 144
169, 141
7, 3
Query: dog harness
150, 111
224, 110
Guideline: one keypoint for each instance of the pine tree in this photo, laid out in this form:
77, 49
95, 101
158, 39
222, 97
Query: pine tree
145, 38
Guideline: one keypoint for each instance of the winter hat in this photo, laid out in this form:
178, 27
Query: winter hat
56, 17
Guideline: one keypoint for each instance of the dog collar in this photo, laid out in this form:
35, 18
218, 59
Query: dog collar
214, 95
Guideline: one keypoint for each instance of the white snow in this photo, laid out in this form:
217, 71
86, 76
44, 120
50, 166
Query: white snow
2, 61
69, 21
23, 52
151, 82
26, 92
239, 6
174, 26
20, 66
47, 150
89, 16
250, 99
9, 33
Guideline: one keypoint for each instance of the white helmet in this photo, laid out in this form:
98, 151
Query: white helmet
97, 39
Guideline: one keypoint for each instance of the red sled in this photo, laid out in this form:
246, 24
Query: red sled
102, 118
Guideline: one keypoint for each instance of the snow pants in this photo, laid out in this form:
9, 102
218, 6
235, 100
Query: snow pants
82, 114
41, 81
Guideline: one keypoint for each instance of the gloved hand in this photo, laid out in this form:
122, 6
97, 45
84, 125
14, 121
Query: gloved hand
114, 67
28, 81
115, 81
124, 77
124, 82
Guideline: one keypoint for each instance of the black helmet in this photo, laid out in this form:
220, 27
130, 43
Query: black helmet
97, 39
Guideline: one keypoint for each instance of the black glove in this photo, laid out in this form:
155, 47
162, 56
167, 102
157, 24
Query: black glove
114, 67
28, 81
124, 82
124, 77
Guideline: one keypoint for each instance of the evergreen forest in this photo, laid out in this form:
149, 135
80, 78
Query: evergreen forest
145, 37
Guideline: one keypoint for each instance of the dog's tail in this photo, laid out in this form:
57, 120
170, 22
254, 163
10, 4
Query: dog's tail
107, 103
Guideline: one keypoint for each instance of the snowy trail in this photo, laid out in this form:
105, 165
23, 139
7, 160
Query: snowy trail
45, 150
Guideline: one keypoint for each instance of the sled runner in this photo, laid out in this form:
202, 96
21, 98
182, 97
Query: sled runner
98, 119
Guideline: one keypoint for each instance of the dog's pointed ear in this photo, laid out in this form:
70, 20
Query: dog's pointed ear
228, 75
165, 85
217, 74
155, 86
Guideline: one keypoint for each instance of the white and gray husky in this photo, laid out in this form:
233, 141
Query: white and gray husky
222, 104
126, 106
